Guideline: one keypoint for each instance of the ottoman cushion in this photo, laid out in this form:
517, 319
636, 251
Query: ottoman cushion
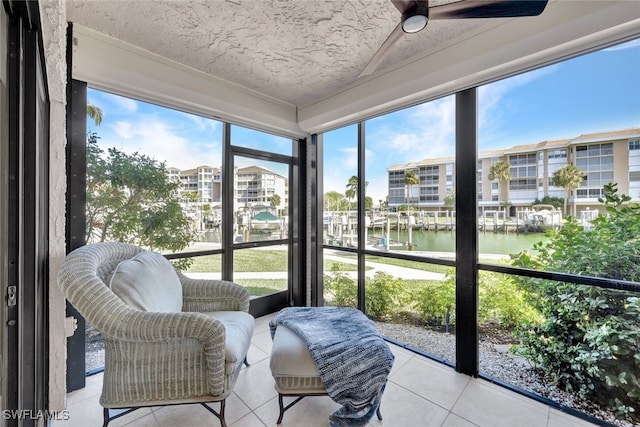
292, 367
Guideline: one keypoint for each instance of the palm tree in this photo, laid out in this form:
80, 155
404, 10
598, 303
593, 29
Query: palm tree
410, 179
352, 188
569, 177
94, 113
275, 201
331, 199
502, 172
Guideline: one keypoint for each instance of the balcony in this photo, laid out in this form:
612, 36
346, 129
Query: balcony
420, 392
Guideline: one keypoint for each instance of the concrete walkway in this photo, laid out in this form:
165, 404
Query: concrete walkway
393, 270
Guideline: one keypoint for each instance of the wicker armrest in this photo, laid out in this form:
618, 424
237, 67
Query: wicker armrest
208, 295
133, 325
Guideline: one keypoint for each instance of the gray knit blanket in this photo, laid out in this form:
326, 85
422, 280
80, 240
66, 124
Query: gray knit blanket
352, 358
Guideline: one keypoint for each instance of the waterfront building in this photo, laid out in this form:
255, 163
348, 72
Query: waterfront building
253, 185
604, 157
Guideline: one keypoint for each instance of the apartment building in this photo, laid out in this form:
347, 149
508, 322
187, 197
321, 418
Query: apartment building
253, 186
204, 180
604, 157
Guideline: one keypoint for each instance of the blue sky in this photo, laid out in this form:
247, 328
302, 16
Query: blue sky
597, 92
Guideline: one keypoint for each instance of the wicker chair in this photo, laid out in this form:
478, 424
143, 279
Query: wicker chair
156, 358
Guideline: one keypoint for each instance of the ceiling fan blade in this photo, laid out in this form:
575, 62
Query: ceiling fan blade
403, 5
383, 51
466, 9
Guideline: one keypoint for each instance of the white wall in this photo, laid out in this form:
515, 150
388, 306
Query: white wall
53, 17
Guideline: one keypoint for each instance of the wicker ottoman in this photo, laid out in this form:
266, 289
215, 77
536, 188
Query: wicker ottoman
294, 371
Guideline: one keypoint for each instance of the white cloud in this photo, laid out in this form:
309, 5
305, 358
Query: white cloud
349, 159
118, 104
158, 139
430, 132
123, 129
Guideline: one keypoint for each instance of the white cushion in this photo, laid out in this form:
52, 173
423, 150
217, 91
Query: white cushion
148, 282
290, 355
292, 367
238, 329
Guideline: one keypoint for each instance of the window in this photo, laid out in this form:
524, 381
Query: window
523, 184
591, 193
429, 194
429, 175
522, 159
558, 154
536, 107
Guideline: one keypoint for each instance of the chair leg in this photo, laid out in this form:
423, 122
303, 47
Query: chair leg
281, 404
105, 415
219, 415
223, 423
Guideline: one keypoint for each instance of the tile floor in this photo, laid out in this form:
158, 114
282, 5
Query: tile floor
420, 393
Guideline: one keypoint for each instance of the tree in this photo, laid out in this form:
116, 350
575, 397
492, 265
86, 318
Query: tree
94, 113
368, 202
569, 177
275, 200
410, 179
130, 199
333, 200
501, 171
450, 198
190, 197
352, 188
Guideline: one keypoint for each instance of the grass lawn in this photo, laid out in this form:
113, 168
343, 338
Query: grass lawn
248, 260
260, 287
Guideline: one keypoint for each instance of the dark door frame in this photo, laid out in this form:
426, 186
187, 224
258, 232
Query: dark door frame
26, 204
76, 210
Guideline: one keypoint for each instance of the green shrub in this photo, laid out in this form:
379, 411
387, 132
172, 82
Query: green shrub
436, 303
383, 294
502, 301
589, 340
340, 290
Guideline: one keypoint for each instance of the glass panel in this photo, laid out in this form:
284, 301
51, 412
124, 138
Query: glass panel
412, 209
581, 329
574, 344
261, 200
546, 94
153, 174
413, 303
340, 182
262, 270
249, 138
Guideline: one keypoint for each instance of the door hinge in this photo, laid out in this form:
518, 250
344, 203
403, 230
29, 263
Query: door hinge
11, 296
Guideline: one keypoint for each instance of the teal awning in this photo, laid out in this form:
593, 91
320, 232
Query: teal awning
265, 216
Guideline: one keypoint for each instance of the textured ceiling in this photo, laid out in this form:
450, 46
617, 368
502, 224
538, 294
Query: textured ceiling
297, 51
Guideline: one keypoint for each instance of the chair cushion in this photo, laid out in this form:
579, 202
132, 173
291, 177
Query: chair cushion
148, 282
238, 327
